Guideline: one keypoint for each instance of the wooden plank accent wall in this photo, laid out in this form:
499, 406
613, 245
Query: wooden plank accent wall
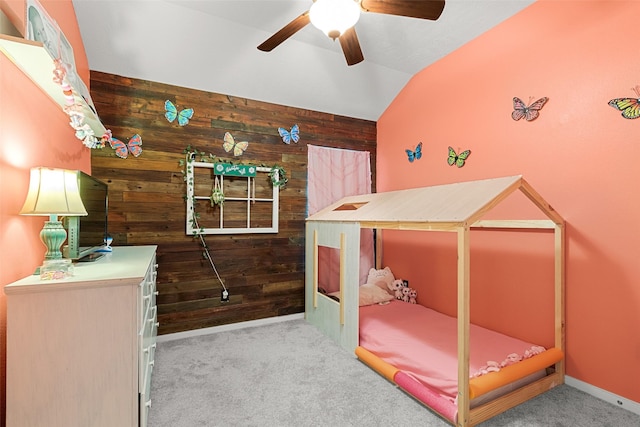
263, 272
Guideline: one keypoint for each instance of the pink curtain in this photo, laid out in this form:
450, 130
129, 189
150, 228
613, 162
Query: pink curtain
332, 174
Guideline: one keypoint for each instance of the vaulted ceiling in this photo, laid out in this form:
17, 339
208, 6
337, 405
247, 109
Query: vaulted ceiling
212, 46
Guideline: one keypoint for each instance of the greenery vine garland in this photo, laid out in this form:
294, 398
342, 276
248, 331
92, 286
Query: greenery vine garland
281, 179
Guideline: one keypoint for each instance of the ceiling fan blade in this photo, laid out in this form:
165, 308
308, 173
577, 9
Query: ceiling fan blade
351, 47
424, 9
285, 32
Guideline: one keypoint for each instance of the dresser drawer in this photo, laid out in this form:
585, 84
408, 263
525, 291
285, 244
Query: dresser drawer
145, 406
148, 303
148, 291
147, 344
147, 332
145, 386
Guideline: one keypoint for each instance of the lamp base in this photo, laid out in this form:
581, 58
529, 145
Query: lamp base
53, 236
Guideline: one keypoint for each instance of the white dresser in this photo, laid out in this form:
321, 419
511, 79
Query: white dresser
80, 351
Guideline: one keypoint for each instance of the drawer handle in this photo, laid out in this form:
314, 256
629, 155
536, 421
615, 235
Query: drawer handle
148, 403
152, 346
156, 293
152, 363
155, 266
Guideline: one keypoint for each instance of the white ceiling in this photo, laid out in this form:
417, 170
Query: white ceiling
212, 46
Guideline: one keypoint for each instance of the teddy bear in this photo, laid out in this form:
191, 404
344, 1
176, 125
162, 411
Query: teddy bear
396, 288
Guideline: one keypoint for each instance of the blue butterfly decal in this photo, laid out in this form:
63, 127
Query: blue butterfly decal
414, 155
172, 113
287, 136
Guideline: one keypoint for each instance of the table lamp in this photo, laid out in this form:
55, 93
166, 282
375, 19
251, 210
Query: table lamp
53, 192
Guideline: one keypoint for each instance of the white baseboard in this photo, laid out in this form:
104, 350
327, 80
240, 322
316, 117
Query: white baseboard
609, 397
229, 327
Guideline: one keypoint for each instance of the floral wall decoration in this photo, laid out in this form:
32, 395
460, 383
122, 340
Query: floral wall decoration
528, 112
630, 107
83, 131
74, 110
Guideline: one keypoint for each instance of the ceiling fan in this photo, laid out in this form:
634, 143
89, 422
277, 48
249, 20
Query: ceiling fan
336, 18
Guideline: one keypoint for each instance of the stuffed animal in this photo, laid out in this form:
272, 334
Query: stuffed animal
413, 294
405, 294
381, 278
396, 288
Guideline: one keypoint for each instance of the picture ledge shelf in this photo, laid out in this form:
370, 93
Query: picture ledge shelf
32, 58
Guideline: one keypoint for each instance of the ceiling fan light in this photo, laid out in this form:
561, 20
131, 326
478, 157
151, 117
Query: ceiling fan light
334, 17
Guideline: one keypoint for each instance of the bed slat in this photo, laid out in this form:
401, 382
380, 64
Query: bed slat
516, 397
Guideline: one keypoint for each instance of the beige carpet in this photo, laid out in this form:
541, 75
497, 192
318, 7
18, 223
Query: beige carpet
290, 374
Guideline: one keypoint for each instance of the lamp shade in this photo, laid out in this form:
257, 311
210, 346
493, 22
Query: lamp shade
53, 192
334, 17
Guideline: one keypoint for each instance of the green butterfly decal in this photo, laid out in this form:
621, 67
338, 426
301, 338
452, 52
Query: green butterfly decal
457, 159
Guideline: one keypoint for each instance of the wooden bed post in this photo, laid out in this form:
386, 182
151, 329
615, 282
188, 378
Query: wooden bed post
463, 325
559, 245
378, 248
343, 266
315, 268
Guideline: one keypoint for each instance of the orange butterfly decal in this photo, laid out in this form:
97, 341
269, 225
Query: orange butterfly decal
630, 107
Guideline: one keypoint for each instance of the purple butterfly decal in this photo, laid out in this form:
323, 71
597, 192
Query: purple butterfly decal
529, 112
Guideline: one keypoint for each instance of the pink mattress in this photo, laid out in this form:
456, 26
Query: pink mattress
422, 343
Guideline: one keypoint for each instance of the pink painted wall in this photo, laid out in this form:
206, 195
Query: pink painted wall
580, 154
34, 131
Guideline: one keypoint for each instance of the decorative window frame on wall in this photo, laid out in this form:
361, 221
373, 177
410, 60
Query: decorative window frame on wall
268, 173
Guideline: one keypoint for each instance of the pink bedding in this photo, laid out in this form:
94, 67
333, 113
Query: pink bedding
423, 343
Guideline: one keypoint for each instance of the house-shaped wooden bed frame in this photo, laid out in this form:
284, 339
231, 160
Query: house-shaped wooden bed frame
456, 208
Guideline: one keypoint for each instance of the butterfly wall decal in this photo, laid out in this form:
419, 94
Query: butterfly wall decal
171, 113
457, 159
630, 107
529, 112
288, 136
230, 144
416, 154
134, 146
